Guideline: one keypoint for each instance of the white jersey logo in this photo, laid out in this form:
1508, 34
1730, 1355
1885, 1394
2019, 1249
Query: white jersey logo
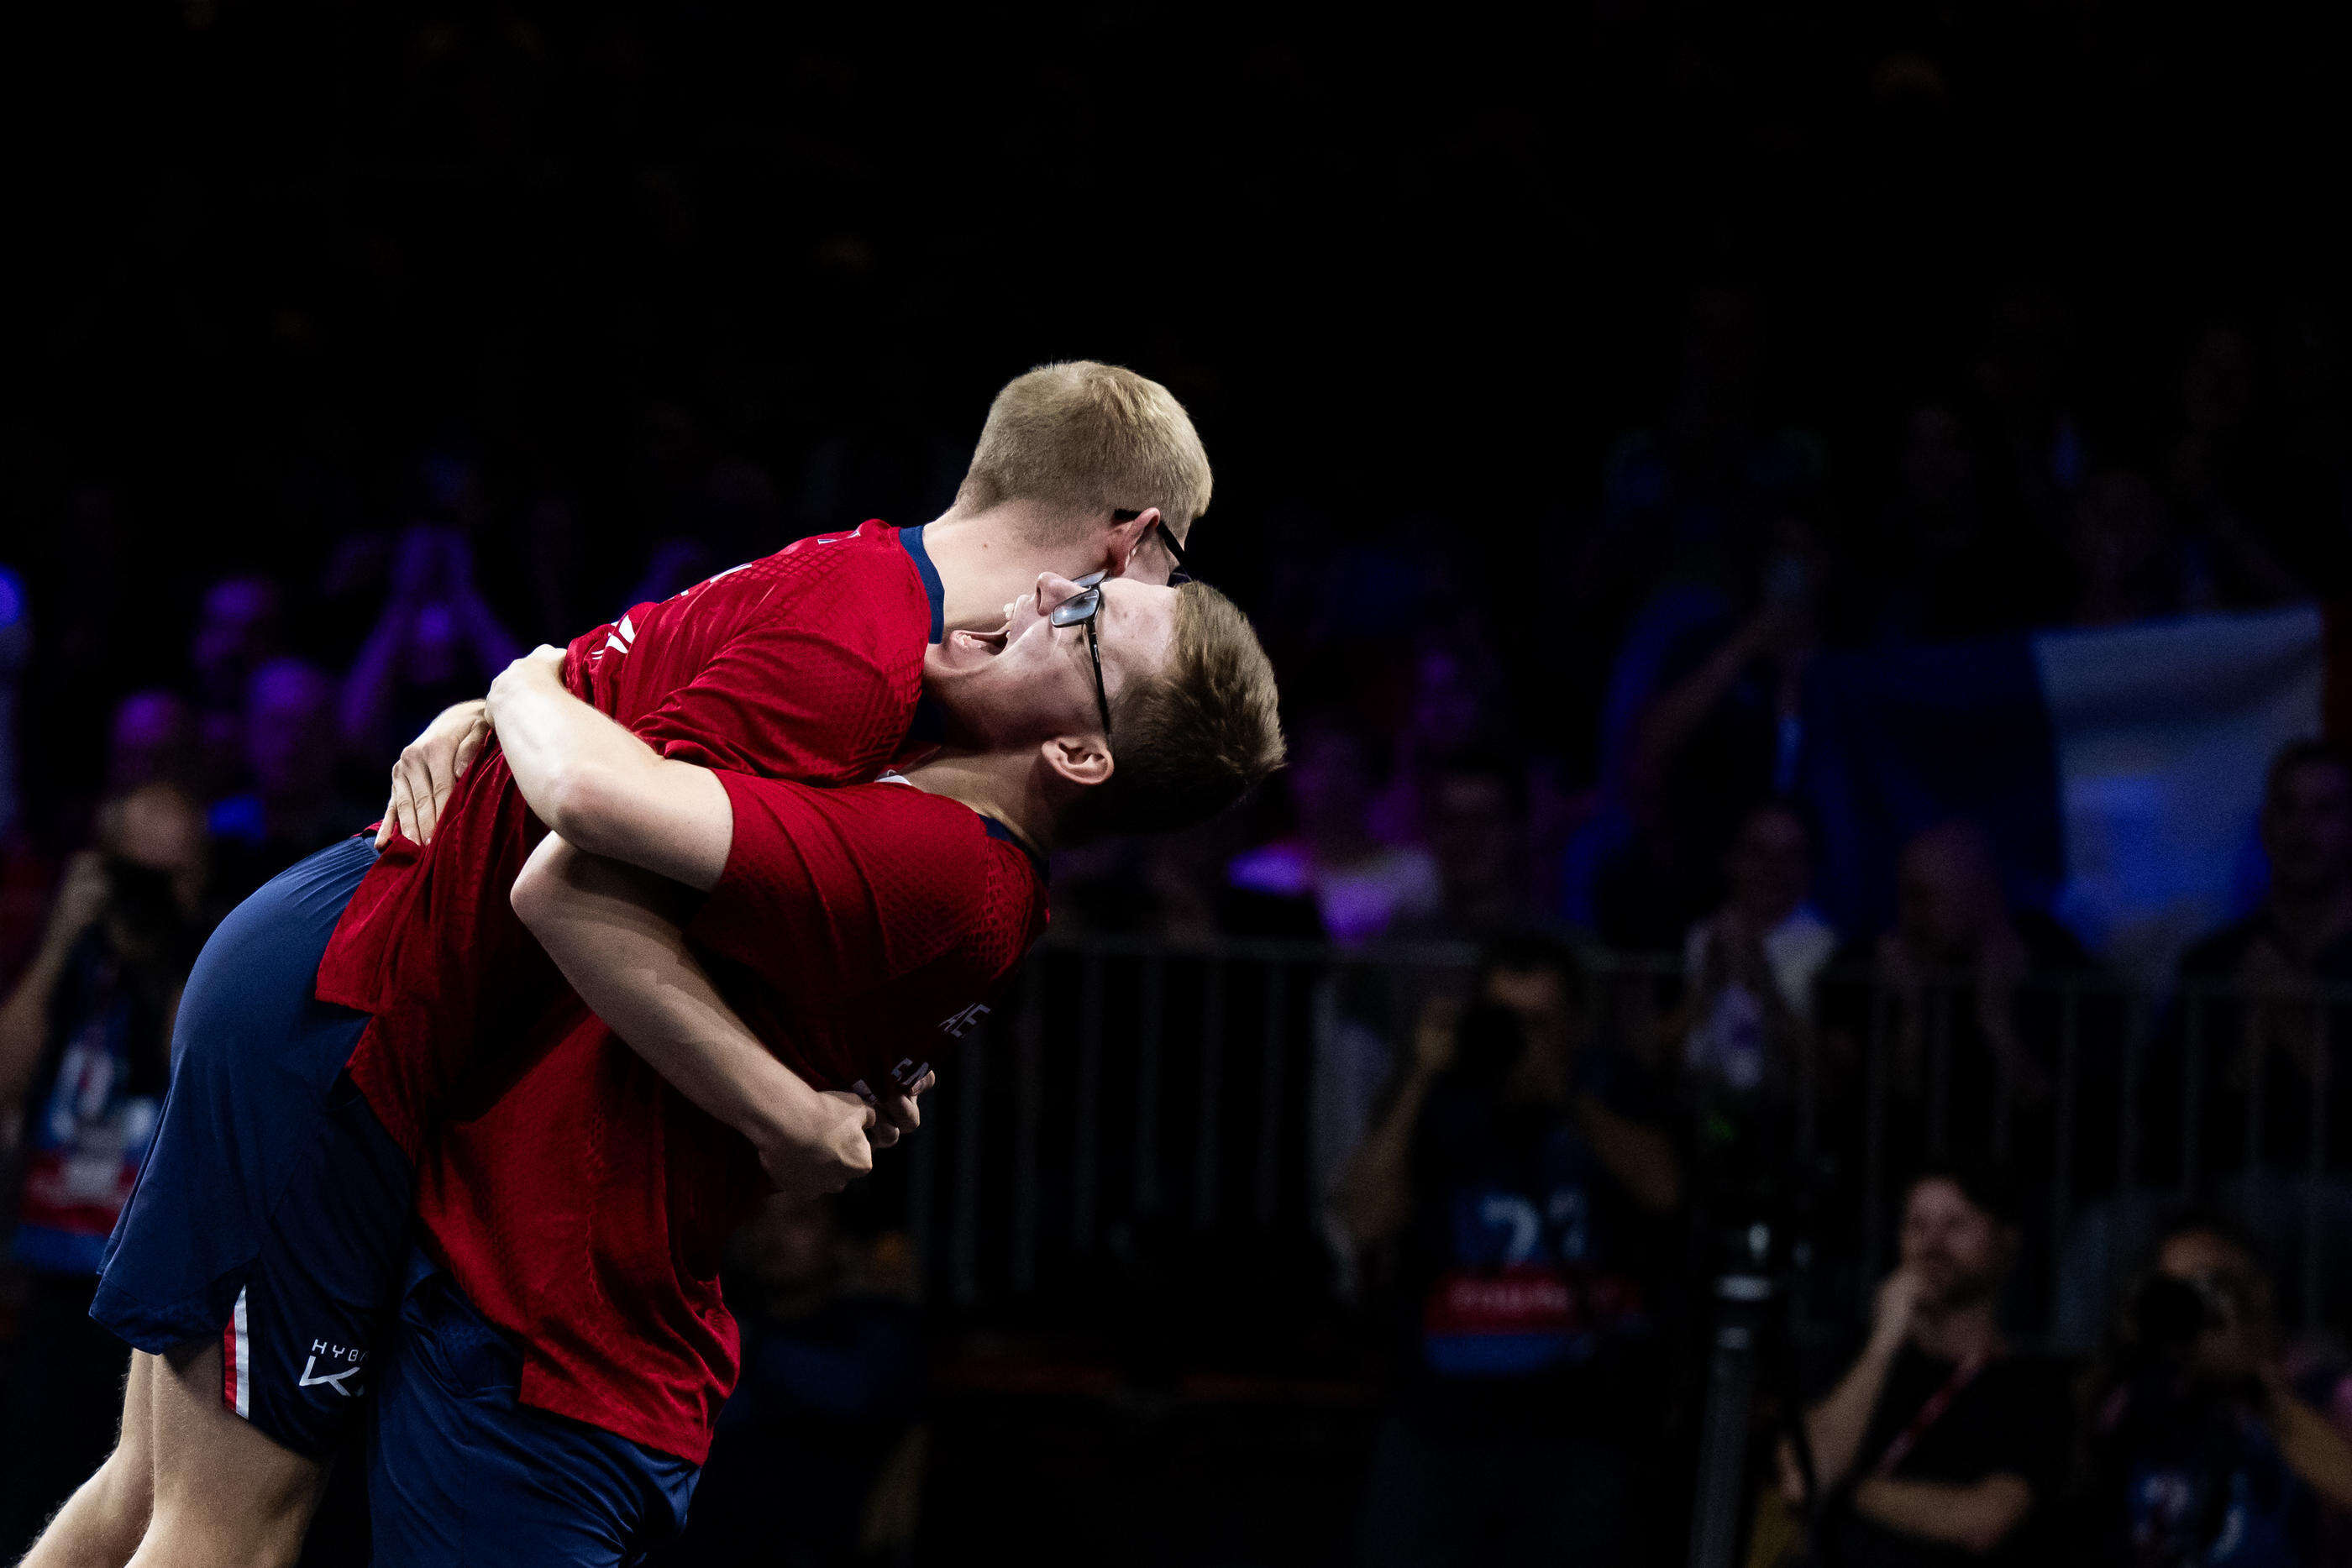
956, 1028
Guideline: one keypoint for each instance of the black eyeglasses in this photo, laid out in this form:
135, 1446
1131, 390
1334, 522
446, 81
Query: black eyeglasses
1178, 577
1084, 608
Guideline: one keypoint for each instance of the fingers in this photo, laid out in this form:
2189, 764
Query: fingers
469, 745
400, 811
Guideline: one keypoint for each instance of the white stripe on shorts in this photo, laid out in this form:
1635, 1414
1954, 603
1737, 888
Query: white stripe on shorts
243, 1378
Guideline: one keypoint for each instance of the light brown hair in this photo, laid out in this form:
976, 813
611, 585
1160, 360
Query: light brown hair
1082, 438
1190, 740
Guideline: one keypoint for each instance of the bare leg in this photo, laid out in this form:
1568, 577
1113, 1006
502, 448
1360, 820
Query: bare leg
225, 1496
100, 1524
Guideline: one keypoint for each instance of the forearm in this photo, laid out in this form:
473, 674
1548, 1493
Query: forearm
1642, 1158
613, 932
2312, 1448
1375, 1194
1835, 1427
1975, 1517
25, 1022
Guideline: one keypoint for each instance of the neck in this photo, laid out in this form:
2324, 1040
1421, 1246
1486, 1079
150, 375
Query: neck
1965, 1331
987, 559
994, 784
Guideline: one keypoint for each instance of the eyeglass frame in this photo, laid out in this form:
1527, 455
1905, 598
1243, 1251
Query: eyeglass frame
1084, 608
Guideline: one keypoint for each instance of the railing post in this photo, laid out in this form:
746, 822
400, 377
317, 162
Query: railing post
1028, 1112
1150, 997
1207, 1176
1875, 1071
971, 1075
2316, 1170
1087, 1114
1270, 1099
1939, 1002
2192, 1087
2062, 1159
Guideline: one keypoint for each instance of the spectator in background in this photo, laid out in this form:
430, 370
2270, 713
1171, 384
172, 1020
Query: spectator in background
1527, 1182
436, 644
816, 1459
152, 741
85, 1053
239, 627
1939, 1444
1474, 816
1753, 962
1943, 567
2199, 1450
1722, 733
2127, 564
1953, 972
2268, 1023
292, 754
2220, 480
1360, 888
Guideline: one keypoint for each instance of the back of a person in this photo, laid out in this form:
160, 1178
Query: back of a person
589, 1167
806, 663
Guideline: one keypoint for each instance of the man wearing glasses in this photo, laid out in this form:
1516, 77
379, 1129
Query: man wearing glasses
857, 931
356, 997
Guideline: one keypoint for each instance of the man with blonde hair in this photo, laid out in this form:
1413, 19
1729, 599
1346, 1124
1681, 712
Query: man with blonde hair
344, 1002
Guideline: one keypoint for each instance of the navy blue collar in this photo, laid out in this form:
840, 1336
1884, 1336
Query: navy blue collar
933, 589
997, 830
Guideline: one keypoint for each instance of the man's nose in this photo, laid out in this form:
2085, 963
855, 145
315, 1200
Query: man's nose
1053, 588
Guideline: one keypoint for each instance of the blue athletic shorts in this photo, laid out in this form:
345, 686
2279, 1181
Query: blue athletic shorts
273, 1213
460, 1473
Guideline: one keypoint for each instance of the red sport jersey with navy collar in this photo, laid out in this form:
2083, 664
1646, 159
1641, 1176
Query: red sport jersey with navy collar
806, 664
858, 931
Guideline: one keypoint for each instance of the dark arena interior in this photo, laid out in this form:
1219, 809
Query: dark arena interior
1781, 1010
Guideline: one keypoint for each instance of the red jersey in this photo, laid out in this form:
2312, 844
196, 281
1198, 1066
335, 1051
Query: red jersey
807, 663
859, 932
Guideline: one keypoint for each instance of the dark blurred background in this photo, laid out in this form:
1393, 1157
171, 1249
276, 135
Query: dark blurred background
1674, 453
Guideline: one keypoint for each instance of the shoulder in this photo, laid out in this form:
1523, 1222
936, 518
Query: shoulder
858, 589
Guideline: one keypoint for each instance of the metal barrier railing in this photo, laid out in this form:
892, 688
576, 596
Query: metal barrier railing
1130, 1085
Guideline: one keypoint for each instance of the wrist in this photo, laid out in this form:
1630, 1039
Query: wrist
785, 1118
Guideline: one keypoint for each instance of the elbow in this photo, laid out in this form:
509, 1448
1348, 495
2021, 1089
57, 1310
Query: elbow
582, 807
1999, 1511
542, 888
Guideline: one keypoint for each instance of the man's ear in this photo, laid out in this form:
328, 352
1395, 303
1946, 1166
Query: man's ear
1082, 759
1125, 539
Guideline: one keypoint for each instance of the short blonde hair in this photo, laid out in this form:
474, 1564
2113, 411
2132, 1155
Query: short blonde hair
1191, 740
1080, 437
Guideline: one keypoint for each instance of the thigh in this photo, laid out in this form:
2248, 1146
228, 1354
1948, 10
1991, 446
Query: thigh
223, 1493
256, 1057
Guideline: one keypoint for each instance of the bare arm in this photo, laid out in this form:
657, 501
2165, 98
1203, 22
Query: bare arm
614, 931
1374, 1197
2312, 1447
25, 1020
1976, 1516
1836, 1427
602, 790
